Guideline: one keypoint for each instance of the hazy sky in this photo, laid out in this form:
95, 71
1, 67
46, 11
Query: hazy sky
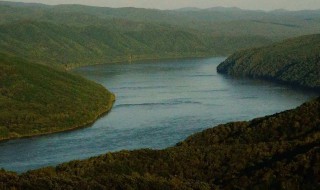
173, 4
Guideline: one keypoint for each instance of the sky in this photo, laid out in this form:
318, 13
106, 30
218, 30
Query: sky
174, 4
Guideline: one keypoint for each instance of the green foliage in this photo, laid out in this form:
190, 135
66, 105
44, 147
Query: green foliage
295, 61
58, 44
75, 35
35, 99
280, 151
219, 20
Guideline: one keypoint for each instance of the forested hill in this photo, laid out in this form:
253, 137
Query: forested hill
73, 35
51, 43
36, 99
295, 61
281, 151
212, 19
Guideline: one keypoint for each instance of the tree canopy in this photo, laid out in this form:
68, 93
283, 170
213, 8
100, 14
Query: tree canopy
36, 99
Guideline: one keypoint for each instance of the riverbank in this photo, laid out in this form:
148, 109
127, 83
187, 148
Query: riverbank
104, 112
137, 58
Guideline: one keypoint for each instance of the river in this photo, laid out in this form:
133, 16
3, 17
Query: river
159, 103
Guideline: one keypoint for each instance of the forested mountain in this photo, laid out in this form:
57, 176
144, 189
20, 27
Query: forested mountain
294, 61
51, 43
81, 35
35, 99
183, 17
280, 151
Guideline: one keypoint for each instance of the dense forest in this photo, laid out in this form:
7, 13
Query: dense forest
71, 46
281, 151
75, 35
36, 99
294, 61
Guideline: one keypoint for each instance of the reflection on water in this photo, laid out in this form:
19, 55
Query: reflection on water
158, 104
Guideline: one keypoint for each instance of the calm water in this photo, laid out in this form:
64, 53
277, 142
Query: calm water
158, 104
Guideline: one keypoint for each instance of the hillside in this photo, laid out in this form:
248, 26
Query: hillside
35, 99
50, 43
280, 151
75, 35
294, 61
202, 19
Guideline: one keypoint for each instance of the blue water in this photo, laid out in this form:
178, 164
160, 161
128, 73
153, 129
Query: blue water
159, 103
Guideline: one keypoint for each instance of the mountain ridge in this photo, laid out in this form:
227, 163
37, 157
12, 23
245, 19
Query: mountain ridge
97, 35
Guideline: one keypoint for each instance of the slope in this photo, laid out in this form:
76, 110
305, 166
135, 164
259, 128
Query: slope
217, 20
36, 100
76, 35
295, 61
50, 43
280, 151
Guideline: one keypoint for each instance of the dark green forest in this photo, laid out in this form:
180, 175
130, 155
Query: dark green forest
280, 151
36, 99
294, 61
75, 35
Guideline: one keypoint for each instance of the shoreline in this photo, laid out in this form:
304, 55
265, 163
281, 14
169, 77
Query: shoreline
124, 60
85, 125
109, 106
262, 154
292, 85
111, 103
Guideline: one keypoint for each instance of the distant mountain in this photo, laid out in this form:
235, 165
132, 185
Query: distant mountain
188, 9
280, 151
114, 41
182, 16
36, 99
219, 8
210, 9
21, 4
77, 35
294, 61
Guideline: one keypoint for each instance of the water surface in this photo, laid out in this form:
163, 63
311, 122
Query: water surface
159, 103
